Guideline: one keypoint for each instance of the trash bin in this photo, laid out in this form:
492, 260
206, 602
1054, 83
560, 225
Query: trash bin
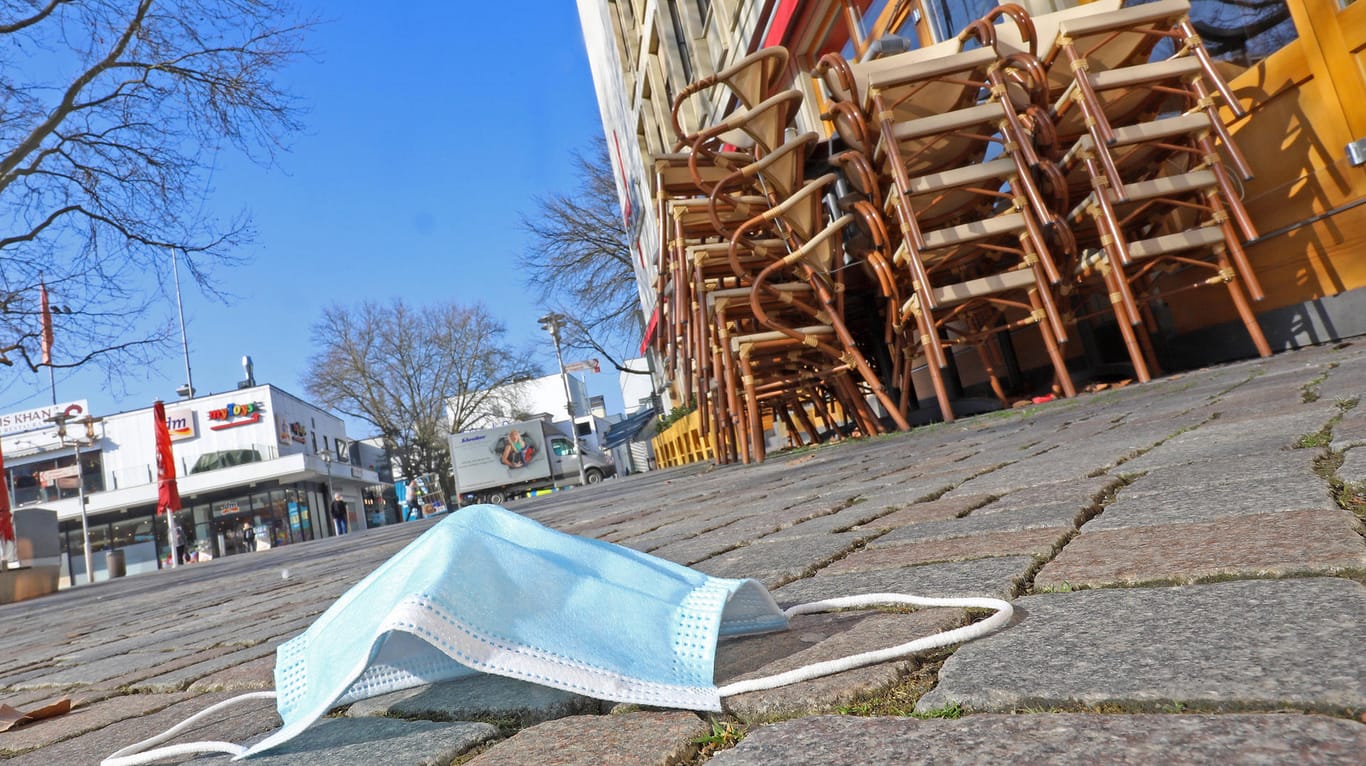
114, 563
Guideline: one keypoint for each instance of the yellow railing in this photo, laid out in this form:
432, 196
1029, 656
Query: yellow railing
682, 443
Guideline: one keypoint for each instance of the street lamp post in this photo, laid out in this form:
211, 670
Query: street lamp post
61, 419
327, 502
552, 323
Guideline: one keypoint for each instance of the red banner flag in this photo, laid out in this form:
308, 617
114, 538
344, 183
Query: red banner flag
47, 323
168, 495
6, 520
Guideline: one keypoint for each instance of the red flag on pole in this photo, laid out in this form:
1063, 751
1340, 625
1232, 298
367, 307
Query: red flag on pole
168, 495
47, 323
6, 520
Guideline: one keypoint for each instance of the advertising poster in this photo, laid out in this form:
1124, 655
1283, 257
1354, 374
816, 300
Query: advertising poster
498, 456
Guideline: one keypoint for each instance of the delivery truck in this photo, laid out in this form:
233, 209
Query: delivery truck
496, 464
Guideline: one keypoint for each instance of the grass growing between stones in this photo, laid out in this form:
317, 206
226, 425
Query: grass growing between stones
724, 735
1179, 707
1319, 439
1309, 392
900, 699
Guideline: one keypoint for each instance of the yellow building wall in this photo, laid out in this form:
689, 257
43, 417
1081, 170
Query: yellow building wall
1306, 102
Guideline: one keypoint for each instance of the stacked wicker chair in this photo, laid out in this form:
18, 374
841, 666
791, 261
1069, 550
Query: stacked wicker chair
1146, 157
749, 270
975, 189
952, 131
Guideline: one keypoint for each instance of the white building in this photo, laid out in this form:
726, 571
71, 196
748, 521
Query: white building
256, 456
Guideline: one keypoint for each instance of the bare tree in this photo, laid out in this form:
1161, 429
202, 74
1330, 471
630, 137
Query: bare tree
416, 375
111, 115
580, 261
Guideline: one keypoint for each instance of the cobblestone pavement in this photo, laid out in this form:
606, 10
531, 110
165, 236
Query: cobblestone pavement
1184, 559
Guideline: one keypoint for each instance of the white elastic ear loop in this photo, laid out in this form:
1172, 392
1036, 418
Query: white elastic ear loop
133, 754
816, 670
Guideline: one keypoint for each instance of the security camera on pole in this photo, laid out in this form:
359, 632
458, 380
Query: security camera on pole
552, 323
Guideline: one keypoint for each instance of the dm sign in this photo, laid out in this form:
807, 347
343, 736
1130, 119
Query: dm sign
234, 415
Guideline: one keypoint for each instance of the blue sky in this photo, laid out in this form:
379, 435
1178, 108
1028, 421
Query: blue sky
430, 128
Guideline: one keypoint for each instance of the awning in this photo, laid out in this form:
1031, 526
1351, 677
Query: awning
650, 331
625, 430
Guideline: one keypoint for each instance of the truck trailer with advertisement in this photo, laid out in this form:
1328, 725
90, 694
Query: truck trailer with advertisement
493, 465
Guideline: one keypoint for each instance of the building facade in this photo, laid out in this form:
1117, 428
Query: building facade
257, 458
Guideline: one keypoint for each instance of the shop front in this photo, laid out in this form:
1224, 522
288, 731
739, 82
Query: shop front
210, 526
255, 470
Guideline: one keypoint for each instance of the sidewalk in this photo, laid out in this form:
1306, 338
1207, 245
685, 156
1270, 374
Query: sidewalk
1188, 576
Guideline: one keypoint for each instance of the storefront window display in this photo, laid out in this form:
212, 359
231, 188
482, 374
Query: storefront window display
209, 527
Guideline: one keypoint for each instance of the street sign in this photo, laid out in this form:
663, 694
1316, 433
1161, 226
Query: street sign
590, 365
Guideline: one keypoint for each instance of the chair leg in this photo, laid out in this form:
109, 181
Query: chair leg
1126, 318
990, 362
752, 450
803, 417
793, 435
941, 391
852, 354
1254, 330
1239, 257
1054, 351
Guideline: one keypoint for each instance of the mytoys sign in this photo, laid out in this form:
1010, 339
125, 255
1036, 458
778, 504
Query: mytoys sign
234, 415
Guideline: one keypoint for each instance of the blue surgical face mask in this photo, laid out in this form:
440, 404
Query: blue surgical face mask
490, 591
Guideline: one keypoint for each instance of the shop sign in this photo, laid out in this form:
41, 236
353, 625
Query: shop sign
298, 433
49, 477
180, 422
28, 420
234, 415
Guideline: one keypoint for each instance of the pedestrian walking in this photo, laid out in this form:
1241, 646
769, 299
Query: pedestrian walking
248, 537
339, 514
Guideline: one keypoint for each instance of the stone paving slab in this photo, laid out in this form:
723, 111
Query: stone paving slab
848, 519
1353, 468
347, 741
249, 676
1257, 545
1250, 644
917, 490
979, 523
1060, 465
1077, 493
478, 698
183, 677
1060, 739
147, 715
1218, 440
1350, 430
1038, 543
997, 577
934, 510
85, 716
1185, 504
780, 562
627, 739
818, 638
1291, 468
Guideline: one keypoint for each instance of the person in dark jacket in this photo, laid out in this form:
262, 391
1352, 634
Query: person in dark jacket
338, 510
